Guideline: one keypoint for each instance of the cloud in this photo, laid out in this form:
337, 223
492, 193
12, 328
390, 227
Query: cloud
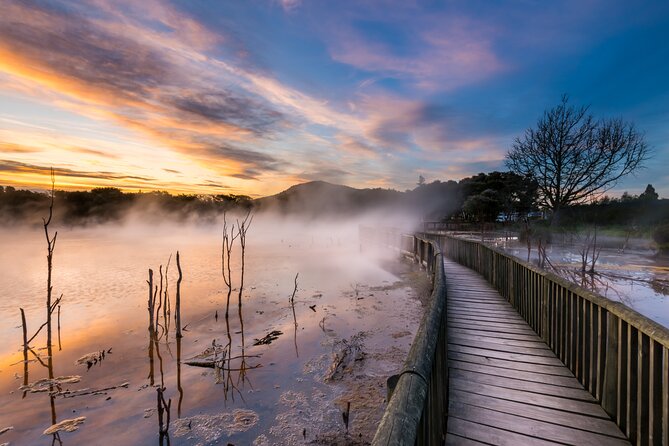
8, 147
19, 167
356, 146
225, 108
87, 151
289, 5
214, 184
441, 53
140, 80
331, 174
158, 73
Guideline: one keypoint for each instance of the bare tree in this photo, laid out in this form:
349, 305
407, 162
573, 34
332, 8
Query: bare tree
573, 156
226, 256
242, 228
589, 250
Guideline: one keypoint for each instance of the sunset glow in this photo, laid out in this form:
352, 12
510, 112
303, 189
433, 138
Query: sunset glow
253, 97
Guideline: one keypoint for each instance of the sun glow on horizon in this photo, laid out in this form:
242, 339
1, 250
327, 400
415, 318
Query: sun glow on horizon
253, 98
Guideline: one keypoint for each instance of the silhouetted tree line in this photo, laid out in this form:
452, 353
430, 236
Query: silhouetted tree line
108, 204
642, 211
482, 198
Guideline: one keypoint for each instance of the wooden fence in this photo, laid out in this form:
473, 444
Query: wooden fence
618, 355
418, 395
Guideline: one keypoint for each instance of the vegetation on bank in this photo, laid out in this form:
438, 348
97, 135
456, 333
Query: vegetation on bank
496, 197
109, 204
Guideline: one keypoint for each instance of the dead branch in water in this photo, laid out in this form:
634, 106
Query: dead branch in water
292, 298
163, 409
292, 305
60, 346
229, 238
25, 349
51, 245
177, 304
150, 303
159, 295
166, 298
242, 228
179, 388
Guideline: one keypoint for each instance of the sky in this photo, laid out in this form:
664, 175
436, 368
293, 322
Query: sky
251, 97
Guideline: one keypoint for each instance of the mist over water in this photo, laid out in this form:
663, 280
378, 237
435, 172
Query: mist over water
101, 271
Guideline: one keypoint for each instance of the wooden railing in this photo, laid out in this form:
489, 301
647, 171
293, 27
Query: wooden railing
620, 356
418, 395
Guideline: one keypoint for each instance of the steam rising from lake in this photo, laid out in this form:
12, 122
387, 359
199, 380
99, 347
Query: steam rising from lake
102, 270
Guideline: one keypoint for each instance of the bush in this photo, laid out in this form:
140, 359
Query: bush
661, 237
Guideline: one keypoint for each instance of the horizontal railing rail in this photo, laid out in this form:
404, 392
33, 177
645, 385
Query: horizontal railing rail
620, 356
418, 394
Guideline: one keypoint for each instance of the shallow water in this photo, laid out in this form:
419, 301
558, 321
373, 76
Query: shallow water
267, 394
636, 277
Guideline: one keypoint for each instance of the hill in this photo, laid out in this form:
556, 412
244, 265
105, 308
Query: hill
322, 198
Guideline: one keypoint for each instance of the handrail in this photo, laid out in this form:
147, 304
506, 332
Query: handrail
620, 356
417, 408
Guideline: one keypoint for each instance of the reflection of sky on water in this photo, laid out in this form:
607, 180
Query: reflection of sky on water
103, 278
625, 277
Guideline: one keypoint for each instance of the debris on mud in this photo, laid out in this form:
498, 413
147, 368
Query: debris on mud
208, 429
89, 391
6, 429
301, 416
268, 338
65, 426
345, 354
45, 385
210, 357
93, 358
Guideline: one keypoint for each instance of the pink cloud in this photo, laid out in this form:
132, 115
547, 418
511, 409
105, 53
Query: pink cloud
445, 54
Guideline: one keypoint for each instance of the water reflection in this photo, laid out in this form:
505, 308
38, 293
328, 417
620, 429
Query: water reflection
179, 388
109, 313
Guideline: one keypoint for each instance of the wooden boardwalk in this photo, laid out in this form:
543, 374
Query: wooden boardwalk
506, 386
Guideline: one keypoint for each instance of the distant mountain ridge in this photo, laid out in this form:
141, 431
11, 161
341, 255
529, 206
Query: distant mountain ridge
321, 197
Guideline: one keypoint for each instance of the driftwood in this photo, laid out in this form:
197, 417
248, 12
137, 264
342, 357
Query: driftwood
345, 355
211, 357
89, 391
46, 384
65, 426
268, 338
93, 358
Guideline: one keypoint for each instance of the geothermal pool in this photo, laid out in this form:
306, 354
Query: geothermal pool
349, 328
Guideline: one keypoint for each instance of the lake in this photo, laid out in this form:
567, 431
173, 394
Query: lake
269, 373
636, 276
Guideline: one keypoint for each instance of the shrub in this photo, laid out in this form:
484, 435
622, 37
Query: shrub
661, 237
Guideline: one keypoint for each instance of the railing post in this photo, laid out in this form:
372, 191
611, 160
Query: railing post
609, 389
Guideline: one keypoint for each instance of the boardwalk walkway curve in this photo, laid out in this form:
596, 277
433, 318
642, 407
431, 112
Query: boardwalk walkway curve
511, 354
506, 386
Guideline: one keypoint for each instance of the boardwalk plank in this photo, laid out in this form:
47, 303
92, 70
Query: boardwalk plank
489, 344
564, 381
480, 351
527, 386
577, 421
491, 435
566, 404
534, 345
532, 428
514, 365
471, 329
487, 319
